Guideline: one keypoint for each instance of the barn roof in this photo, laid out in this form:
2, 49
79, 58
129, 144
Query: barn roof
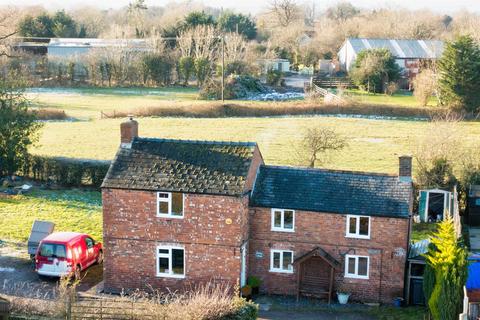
401, 48
343, 192
96, 43
209, 167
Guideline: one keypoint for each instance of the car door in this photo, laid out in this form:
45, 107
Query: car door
90, 249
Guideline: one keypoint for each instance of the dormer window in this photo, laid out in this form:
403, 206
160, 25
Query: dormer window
170, 204
358, 227
283, 220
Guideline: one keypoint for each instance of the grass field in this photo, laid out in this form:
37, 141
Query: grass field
87, 103
70, 210
401, 98
374, 145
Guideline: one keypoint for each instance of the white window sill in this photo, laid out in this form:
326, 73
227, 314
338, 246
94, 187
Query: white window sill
166, 275
353, 276
161, 215
355, 236
283, 230
280, 271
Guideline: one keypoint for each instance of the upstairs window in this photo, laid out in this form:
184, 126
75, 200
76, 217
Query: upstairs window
170, 204
283, 220
281, 261
170, 262
356, 266
358, 227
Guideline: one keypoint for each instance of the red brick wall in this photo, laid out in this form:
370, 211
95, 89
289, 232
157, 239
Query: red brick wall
313, 229
257, 160
132, 231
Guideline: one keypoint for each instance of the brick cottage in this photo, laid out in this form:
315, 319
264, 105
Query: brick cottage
177, 213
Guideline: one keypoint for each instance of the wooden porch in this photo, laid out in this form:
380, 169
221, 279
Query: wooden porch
316, 274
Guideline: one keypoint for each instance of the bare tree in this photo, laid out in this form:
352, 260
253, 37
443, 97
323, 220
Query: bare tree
285, 11
425, 86
317, 143
235, 47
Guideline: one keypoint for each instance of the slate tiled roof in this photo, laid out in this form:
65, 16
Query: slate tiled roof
181, 165
331, 191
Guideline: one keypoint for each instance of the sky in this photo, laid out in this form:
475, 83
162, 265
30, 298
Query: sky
254, 6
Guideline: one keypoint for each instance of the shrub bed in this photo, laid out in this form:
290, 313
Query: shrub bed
66, 171
49, 114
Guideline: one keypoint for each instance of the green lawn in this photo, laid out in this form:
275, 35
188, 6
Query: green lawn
422, 230
374, 145
86, 103
401, 98
70, 210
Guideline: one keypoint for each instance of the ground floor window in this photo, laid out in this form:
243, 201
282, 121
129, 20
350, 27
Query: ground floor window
170, 261
356, 266
281, 261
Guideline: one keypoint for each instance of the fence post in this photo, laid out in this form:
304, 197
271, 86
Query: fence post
69, 307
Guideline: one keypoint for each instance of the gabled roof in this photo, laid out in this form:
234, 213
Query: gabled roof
330, 191
208, 167
401, 48
319, 252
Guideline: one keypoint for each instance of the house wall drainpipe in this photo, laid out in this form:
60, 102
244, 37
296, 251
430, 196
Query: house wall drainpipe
381, 276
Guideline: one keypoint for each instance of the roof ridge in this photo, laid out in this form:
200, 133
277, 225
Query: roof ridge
396, 39
364, 173
227, 143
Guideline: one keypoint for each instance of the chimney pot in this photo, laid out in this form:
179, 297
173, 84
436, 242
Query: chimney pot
128, 131
405, 168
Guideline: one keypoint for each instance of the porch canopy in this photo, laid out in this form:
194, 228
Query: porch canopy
316, 273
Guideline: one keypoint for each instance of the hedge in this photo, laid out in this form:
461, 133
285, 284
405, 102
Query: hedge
66, 171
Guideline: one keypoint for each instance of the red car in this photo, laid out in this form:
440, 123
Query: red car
66, 254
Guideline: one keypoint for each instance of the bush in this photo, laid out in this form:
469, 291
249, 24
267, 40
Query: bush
274, 78
235, 67
236, 87
254, 282
49, 114
66, 171
424, 86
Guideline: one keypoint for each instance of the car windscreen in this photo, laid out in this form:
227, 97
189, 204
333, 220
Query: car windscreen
53, 250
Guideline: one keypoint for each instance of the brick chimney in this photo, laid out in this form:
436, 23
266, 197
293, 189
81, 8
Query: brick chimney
128, 131
405, 168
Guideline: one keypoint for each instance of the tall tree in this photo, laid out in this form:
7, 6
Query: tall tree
39, 26
18, 127
240, 23
342, 11
197, 18
317, 143
63, 25
285, 11
459, 75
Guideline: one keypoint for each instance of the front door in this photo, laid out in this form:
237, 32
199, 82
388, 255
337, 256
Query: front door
243, 271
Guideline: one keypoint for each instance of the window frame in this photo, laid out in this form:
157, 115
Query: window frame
356, 275
170, 262
169, 202
280, 270
357, 234
282, 221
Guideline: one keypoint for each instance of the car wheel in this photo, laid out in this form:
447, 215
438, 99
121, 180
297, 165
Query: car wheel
78, 273
100, 257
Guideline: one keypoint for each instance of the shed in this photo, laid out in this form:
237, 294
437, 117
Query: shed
473, 205
416, 267
277, 64
68, 47
435, 204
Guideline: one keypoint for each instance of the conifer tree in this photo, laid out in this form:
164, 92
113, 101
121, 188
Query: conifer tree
459, 81
447, 258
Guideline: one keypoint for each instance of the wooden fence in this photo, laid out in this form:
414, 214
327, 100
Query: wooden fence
332, 82
91, 307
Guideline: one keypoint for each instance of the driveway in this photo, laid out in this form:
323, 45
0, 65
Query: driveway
311, 315
17, 275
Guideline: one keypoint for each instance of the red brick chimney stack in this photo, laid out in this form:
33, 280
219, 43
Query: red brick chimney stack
405, 168
128, 131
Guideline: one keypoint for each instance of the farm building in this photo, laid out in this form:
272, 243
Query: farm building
409, 54
68, 47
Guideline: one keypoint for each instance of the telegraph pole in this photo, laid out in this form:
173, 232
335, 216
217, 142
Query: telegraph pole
223, 67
